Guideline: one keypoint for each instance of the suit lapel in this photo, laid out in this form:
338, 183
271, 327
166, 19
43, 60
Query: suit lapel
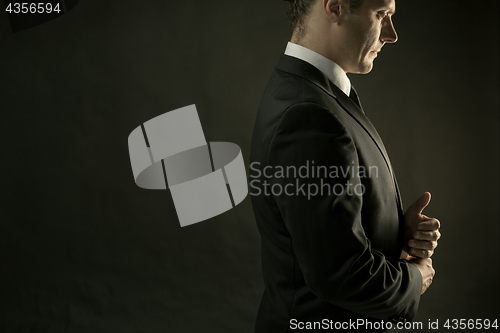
309, 72
358, 114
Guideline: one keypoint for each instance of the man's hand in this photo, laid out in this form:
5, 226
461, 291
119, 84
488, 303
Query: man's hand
427, 271
421, 232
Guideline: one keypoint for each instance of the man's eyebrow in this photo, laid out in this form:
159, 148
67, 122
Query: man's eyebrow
390, 10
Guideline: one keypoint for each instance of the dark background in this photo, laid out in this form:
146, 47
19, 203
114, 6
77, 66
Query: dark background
83, 249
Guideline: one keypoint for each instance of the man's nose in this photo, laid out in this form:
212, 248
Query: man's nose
388, 33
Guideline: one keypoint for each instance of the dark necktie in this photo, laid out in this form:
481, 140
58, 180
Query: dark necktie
354, 96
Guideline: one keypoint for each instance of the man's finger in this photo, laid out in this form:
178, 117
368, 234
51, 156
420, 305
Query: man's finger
422, 245
418, 206
424, 254
432, 224
427, 235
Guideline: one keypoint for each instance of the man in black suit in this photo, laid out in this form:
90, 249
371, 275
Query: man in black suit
335, 241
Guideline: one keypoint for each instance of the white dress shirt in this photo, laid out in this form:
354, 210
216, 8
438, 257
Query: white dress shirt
333, 71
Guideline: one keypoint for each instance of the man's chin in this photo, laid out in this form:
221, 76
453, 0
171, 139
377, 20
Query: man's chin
365, 69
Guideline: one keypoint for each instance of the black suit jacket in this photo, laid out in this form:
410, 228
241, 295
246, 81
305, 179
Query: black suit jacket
333, 255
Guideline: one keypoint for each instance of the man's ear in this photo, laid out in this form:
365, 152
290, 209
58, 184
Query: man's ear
333, 9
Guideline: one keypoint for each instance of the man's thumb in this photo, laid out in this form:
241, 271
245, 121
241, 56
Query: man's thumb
418, 206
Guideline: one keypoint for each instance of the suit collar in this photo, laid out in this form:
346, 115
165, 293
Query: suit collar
306, 70
309, 72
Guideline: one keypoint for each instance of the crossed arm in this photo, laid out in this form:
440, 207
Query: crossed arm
335, 256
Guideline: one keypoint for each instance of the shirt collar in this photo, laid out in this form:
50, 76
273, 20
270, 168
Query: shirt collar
333, 71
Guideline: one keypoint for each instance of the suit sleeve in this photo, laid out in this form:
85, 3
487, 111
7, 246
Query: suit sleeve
324, 223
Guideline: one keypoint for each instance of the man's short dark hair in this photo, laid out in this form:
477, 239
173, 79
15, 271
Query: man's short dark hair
299, 9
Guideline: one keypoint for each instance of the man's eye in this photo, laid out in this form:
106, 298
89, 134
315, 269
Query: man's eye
382, 15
